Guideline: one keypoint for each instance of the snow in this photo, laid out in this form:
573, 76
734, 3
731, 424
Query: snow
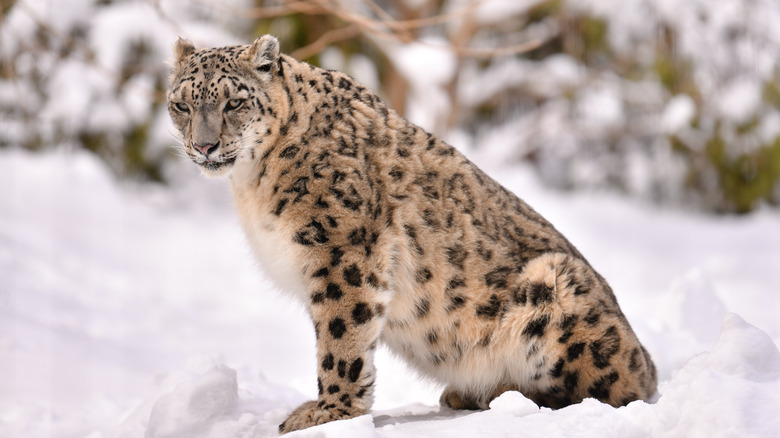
599, 108
72, 97
135, 311
428, 65
429, 61
111, 37
739, 100
678, 113
709, 396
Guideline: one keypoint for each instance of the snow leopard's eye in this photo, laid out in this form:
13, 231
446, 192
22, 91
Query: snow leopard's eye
181, 107
234, 104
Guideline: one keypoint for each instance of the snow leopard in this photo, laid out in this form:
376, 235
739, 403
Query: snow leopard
387, 234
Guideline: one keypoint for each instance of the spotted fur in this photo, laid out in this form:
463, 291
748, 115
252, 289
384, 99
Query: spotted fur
387, 233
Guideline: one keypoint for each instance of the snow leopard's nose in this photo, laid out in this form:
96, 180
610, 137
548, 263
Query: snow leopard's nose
206, 149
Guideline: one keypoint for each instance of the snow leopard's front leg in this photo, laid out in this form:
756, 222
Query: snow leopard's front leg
347, 310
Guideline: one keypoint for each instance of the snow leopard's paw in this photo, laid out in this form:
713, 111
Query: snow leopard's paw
313, 413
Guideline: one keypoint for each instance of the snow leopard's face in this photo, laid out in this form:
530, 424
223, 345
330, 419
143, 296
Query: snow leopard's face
221, 101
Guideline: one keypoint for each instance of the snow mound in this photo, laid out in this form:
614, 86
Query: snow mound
196, 406
722, 393
515, 403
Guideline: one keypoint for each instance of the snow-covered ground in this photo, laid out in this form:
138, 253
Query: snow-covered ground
135, 311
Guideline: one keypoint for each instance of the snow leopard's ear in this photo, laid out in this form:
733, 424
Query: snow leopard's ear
183, 49
264, 54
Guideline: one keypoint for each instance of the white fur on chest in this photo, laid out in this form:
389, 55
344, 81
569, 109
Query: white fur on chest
276, 253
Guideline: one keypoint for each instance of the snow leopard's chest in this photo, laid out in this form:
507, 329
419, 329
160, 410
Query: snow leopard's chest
276, 253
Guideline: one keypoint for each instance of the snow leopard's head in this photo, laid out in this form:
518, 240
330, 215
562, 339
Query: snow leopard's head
222, 101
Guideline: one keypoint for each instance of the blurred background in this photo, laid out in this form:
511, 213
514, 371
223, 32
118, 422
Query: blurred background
676, 103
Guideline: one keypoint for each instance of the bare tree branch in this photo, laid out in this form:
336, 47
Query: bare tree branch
386, 27
330, 37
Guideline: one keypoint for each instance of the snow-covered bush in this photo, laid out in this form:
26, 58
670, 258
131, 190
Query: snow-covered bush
717, 62
674, 101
